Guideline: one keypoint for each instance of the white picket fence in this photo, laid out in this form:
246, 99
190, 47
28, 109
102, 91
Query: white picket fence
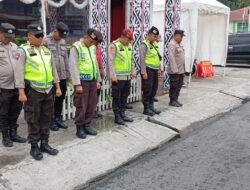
105, 99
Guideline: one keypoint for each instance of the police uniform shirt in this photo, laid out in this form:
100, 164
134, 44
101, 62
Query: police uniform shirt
59, 53
19, 75
111, 67
142, 55
176, 58
7, 65
73, 67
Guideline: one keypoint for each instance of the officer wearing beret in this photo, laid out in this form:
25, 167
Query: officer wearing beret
150, 69
86, 80
97, 113
121, 71
10, 107
176, 67
35, 77
57, 45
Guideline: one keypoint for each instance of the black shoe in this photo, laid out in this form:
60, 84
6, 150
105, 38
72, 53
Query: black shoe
174, 104
97, 114
15, 137
129, 107
80, 132
125, 118
156, 100
118, 119
7, 142
151, 106
53, 125
147, 110
179, 103
60, 124
35, 152
89, 130
45, 147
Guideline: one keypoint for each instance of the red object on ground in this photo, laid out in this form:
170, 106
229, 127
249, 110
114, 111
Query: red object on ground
204, 69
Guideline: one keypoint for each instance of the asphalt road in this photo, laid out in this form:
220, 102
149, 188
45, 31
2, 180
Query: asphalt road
217, 157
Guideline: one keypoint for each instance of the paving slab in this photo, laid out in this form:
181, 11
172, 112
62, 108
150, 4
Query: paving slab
84, 160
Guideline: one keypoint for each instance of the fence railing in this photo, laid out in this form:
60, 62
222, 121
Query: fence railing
105, 99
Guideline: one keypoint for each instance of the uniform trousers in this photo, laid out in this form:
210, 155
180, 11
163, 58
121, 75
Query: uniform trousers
38, 111
58, 103
120, 93
85, 103
150, 86
10, 109
176, 82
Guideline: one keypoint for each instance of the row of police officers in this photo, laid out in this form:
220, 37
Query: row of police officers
36, 74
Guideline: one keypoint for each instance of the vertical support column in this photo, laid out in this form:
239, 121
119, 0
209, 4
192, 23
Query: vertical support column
140, 26
99, 11
172, 22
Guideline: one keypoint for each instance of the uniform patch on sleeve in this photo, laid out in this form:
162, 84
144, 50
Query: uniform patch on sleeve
17, 56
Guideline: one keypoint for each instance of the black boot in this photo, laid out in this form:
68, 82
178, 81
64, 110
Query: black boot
15, 137
89, 130
59, 123
6, 139
151, 106
35, 152
174, 103
45, 147
80, 132
124, 117
129, 107
118, 118
147, 110
179, 103
53, 125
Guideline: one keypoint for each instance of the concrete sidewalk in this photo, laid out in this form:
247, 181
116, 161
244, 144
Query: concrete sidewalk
82, 161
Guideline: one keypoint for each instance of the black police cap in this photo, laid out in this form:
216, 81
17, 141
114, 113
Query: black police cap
99, 36
154, 30
8, 29
35, 28
62, 28
178, 31
92, 33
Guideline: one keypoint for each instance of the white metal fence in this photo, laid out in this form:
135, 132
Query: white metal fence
105, 99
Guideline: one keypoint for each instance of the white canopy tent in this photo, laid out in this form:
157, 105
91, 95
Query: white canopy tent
206, 27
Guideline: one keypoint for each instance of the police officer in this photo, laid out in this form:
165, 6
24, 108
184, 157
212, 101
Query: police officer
10, 107
86, 80
121, 71
35, 78
150, 69
97, 113
57, 44
176, 67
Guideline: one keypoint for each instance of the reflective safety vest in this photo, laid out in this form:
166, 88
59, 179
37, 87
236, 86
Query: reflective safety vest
152, 59
87, 63
122, 60
38, 67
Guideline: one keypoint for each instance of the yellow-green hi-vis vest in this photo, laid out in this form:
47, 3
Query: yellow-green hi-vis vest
122, 60
152, 59
38, 67
87, 63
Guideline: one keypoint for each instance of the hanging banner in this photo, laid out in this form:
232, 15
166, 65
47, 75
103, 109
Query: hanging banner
99, 20
172, 22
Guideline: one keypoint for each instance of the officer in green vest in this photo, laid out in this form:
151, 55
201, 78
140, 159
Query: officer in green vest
86, 80
121, 71
34, 79
150, 69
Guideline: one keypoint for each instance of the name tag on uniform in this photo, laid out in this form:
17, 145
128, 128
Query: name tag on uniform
83, 55
32, 52
85, 76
